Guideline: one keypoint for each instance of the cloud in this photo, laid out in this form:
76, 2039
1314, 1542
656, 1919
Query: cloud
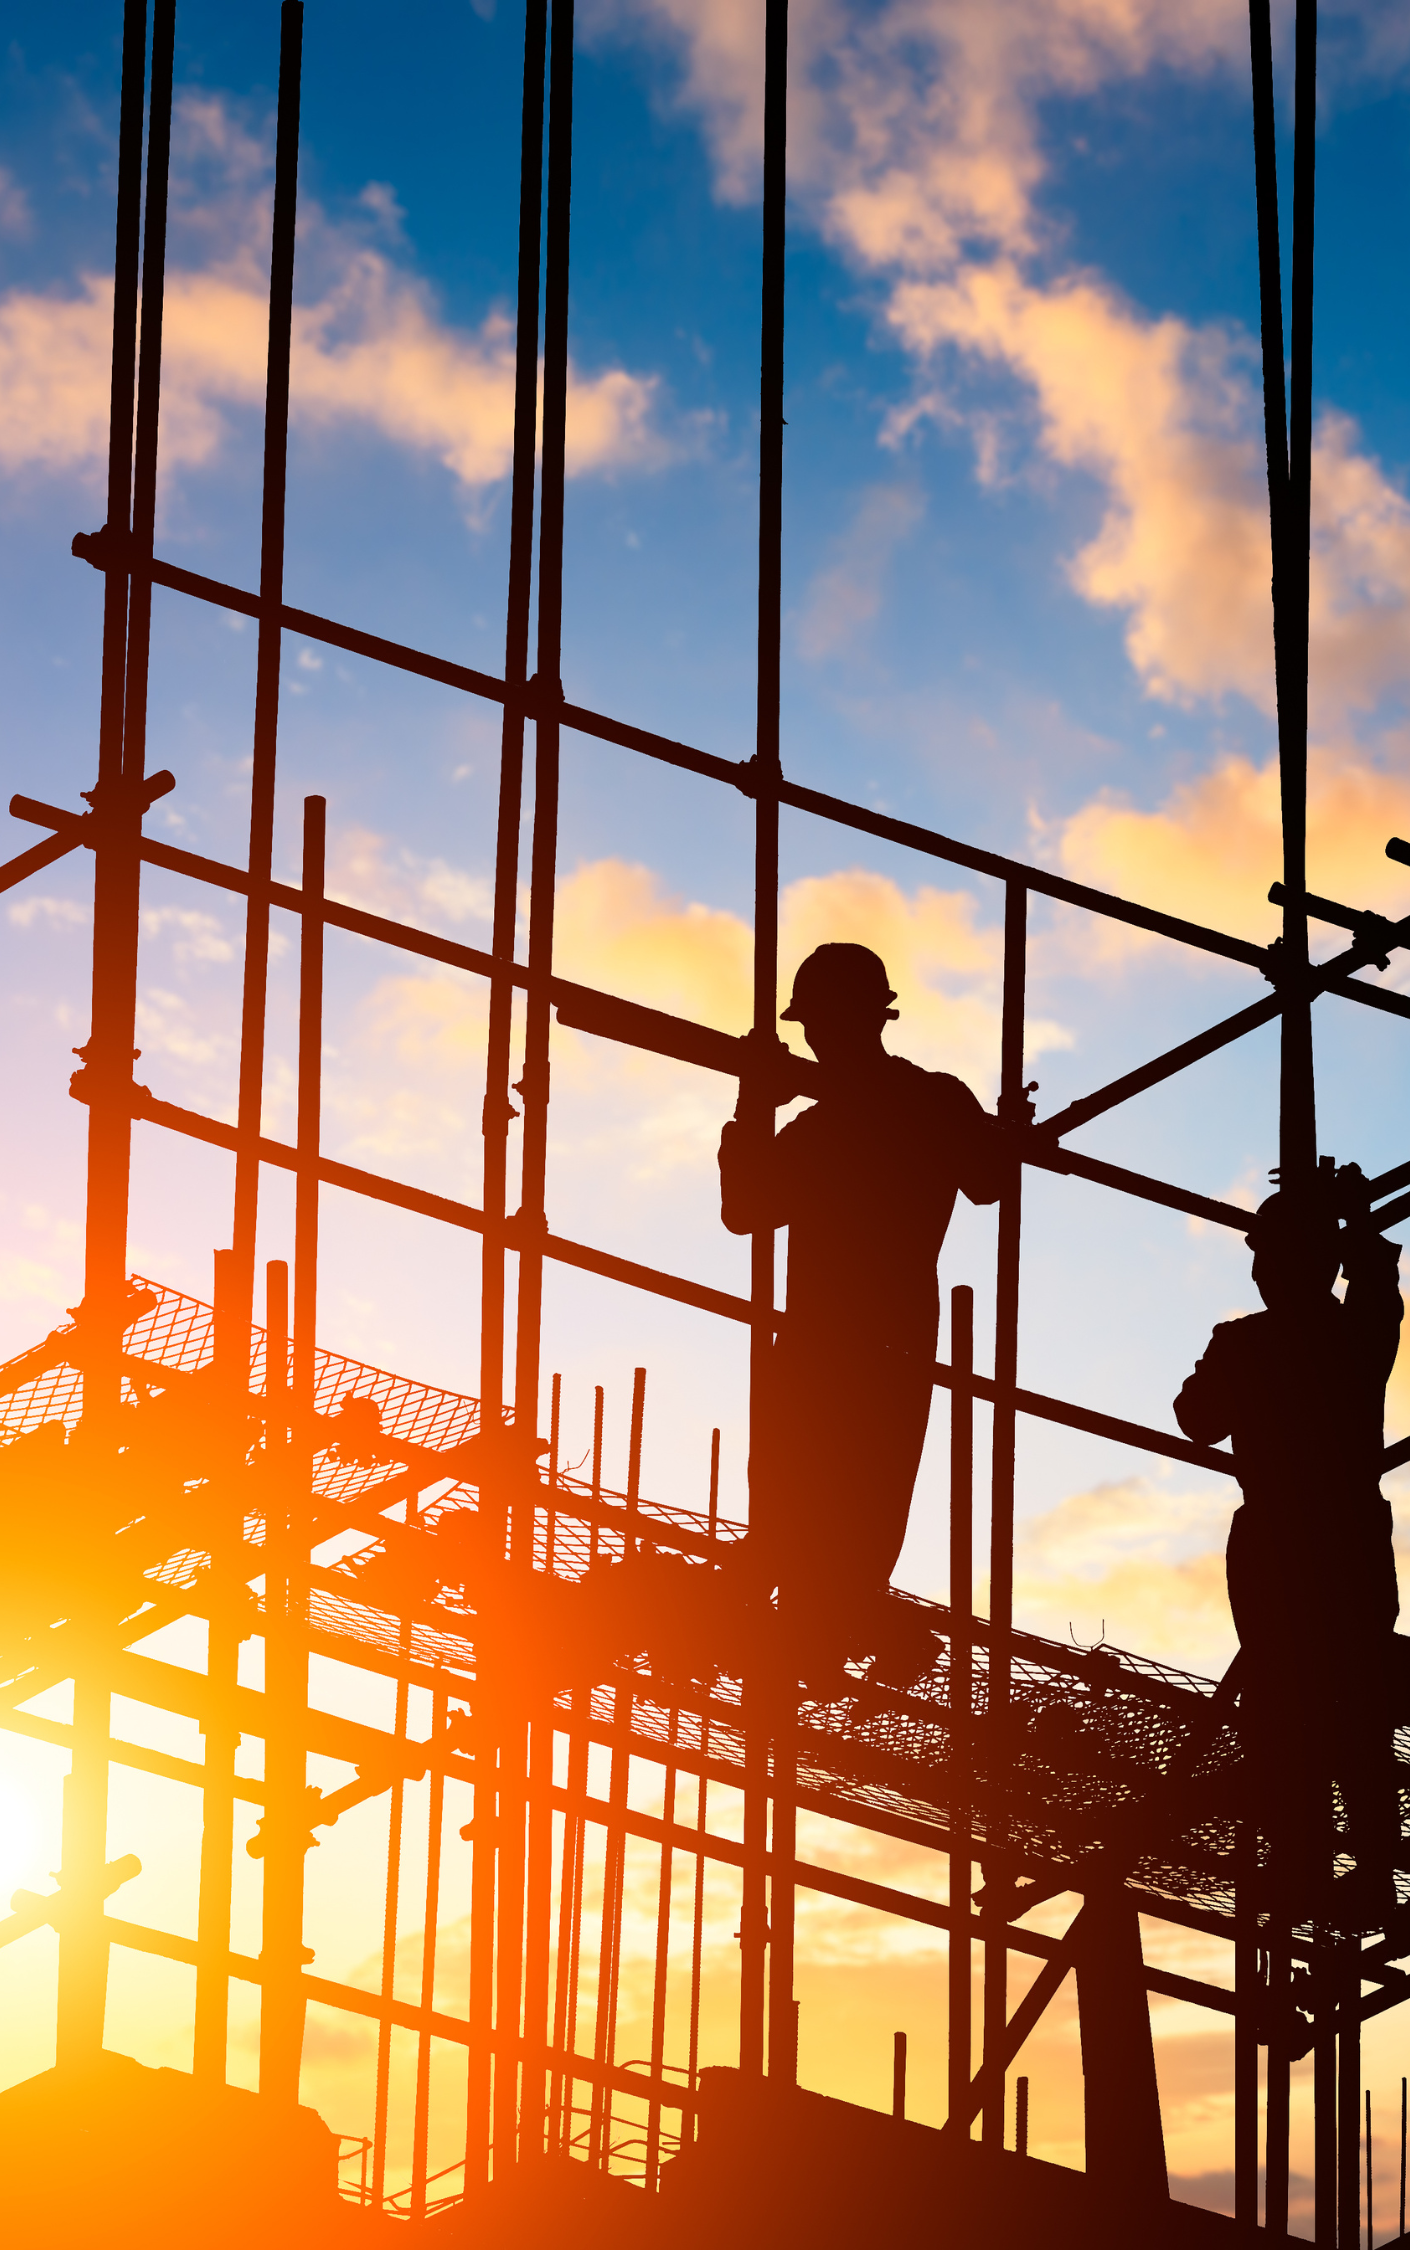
52, 913
368, 870
1166, 420
915, 147
370, 349
16, 218
913, 125
419, 1039
1212, 849
618, 927
1133, 1564
846, 595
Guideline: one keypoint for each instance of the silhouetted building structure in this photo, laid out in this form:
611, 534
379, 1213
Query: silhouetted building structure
213, 1464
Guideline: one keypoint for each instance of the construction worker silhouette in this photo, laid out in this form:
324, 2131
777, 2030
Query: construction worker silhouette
1300, 1389
865, 1182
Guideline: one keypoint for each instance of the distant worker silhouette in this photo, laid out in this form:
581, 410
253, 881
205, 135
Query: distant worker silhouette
865, 1182
1300, 1388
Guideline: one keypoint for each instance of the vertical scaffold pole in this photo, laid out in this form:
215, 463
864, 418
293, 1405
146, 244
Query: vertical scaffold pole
961, 1684
391, 1913
287, 1683
756, 1090
1278, 2106
609, 1958
1246, 1996
662, 1964
435, 1824
1013, 1110
1349, 2101
549, 695
1288, 437
107, 1082
534, 1084
285, 1832
255, 999
1298, 1111
498, 1111
697, 1925
220, 1725
1324, 2093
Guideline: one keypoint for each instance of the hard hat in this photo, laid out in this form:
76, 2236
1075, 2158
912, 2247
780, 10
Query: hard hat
851, 974
1306, 1221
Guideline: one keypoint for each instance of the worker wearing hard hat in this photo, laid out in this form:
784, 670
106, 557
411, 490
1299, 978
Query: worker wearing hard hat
865, 1182
1300, 1389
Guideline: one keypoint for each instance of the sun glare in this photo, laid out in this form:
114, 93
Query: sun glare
19, 1838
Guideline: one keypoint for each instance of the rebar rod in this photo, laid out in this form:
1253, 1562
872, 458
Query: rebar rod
391, 1903
569, 1923
286, 1686
756, 1092
1246, 1995
480, 2005
614, 1872
435, 1825
510, 1834
1324, 2092
255, 990
83, 1943
538, 1917
578, 1749
661, 1966
1349, 2103
961, 1689
149, 375
220, 1725
1012, 1114
697, 1927
1277, 2105
610, 1939
1288, 436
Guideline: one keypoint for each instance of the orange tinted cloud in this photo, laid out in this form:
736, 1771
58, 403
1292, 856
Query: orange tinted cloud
1212, 849
408, 1075
1133, 1564
913, 124
369, 346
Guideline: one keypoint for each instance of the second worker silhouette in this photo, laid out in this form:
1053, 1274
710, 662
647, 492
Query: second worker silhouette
1300, 1389
865, 1181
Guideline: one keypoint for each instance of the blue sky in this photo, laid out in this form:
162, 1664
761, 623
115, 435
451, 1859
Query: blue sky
1025, 592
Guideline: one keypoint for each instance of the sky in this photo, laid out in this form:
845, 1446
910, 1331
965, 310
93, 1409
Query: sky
1025, 603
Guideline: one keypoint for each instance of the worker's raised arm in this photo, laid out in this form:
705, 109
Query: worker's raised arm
985, 1155
1205, 1407
1373, 1302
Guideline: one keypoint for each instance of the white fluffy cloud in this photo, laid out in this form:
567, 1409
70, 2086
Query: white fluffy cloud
370, 349
916, 147
915, 141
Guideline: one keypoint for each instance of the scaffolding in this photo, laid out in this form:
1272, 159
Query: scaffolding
216, 1457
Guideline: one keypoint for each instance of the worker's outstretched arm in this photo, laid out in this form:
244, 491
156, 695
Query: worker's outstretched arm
988, 1157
